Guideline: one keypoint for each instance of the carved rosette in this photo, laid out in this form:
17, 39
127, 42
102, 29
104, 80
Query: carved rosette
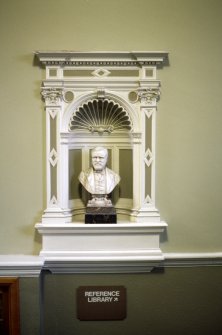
52, 96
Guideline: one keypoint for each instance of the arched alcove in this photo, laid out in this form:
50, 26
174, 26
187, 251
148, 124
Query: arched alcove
104, 122
82, 99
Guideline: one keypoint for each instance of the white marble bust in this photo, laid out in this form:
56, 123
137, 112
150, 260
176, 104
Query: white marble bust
99, 180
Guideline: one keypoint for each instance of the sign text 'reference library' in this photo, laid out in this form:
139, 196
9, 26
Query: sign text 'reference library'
101, 303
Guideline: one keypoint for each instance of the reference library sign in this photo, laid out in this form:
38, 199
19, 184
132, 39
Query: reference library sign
101, 303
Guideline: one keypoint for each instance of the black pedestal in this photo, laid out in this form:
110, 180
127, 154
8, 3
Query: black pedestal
100, 215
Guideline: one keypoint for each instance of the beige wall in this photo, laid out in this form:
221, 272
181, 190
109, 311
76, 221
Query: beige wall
189, 116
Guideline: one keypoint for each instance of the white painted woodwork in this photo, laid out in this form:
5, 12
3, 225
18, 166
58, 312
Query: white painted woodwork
101, 98
31, 266
20, 265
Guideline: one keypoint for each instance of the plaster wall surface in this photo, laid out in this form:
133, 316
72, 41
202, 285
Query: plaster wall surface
189, 115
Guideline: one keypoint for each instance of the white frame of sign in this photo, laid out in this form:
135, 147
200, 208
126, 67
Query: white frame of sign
126, 83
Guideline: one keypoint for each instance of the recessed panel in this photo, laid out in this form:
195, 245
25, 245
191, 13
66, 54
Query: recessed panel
75, 167
149, 72
77, 73
53, 170
148, 142
124, 73
126, 173
53, 123
52, 72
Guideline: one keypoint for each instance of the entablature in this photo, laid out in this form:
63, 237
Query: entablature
103, 58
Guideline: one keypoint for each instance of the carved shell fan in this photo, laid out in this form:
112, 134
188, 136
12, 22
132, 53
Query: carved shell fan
100, 115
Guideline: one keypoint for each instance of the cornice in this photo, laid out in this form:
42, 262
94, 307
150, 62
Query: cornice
103, 58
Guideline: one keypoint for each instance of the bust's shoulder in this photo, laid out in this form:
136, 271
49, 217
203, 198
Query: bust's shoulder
112, 173
88, 172
84, 174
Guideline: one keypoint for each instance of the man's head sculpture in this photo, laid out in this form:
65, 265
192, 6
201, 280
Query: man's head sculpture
99, 181
99, 158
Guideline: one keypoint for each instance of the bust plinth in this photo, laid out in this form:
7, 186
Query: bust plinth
100, 215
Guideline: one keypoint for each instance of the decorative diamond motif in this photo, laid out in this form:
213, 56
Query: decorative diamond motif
147, 200
53, 201
100, 73
53, 112
53, 157
148, 157
148, 111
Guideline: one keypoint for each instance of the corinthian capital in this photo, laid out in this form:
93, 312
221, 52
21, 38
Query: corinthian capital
148, 95
52, 96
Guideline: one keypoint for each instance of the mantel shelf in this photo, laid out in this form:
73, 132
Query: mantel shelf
77, 244
77, 227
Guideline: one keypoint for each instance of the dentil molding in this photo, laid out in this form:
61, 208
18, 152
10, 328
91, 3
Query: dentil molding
104, 58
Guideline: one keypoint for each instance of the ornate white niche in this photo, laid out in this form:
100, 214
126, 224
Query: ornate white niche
108, 99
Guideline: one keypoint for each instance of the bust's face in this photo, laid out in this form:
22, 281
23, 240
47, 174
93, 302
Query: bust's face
99, 159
